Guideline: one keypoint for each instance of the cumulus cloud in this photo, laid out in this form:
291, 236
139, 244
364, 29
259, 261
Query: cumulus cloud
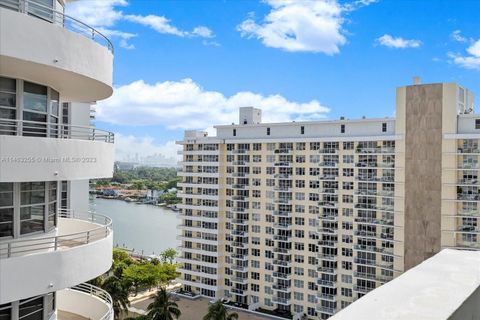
398, 42
186, 105
162, 25
128, 147
302, 25
97, 13
469, 61
105, 14
313, 26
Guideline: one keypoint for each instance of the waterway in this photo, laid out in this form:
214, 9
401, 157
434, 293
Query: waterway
139, 226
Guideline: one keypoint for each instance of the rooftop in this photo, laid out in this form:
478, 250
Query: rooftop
438, 288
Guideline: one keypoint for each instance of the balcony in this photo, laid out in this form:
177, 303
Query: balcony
42, 45
332, 271
327, 283
84, 301
281, 275
327, 297
326, 310
282, 301
281, 287
328, 257
53, 151
377, 150
79, 250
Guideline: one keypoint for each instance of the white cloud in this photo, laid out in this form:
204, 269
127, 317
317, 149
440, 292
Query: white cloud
203, 31
186, 105
162, 25
457, 36
471, 61
398, 43
123, 36
157, 23
104, 15
309, 26
127, 147
302, 25
97, 13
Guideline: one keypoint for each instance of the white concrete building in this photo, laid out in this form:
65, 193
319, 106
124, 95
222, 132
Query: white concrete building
303, 218
52, 68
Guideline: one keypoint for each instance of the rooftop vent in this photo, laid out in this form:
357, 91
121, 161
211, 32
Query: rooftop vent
417, 80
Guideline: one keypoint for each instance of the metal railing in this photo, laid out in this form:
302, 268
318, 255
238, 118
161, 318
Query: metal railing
27, 128
21, 247
40, 11
97, 293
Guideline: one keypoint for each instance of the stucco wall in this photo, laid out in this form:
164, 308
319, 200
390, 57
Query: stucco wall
423, 171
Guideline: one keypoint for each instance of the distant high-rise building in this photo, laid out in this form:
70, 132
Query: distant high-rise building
52, 68
303, 218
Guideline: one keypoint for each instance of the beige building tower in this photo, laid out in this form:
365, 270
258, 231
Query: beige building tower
303, 218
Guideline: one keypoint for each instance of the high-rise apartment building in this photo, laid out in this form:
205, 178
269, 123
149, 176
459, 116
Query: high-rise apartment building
52, 68
303, 218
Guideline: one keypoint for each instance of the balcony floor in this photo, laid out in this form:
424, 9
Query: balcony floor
64, 315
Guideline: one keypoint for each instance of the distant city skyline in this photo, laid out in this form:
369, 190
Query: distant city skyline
185, 65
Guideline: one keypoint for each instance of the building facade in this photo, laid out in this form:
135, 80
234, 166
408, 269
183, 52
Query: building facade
52, 69
303, 218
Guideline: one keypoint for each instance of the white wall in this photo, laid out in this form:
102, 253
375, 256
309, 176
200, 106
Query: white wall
46, 159
82, 304
36, 274
38, 51
312, 129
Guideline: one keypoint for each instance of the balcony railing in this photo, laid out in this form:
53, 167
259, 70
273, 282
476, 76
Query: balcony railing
53, 130
101, 228
97, 293
35, 9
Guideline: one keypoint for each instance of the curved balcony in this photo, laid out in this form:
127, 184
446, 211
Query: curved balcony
47, 46
53, 151
80, 250
85, 301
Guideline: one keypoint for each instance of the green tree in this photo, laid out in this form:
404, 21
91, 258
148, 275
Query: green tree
141, 275
169, 254
218, 311
118, 290
163, 307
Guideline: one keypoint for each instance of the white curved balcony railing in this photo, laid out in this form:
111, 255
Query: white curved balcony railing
40, 11
101, 228
87, 301
14, 127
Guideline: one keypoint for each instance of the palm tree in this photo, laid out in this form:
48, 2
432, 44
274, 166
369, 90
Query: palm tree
163, 307
119, 293
218, 311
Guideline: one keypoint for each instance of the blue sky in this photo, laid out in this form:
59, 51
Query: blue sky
190, 64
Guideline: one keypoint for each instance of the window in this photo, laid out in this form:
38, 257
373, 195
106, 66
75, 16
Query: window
268, 131
342, 128
7, 102
302, 130
6, 311
6, 210
234, 132
384, 127
35, 106
31, 309
477, 124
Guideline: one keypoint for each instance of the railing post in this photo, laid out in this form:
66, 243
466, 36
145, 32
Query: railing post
22, 6
9, 250
56, 244
88, 236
